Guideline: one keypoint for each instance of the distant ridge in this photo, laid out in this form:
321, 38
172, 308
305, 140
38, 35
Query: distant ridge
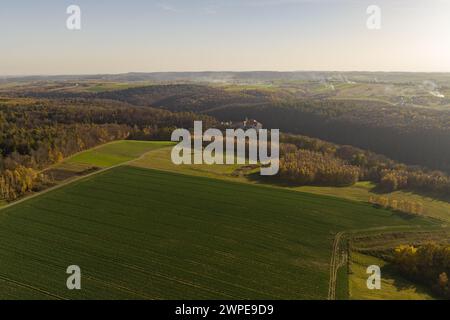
245, 76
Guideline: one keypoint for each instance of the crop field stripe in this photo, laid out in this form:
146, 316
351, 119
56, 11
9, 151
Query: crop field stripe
160, 180
124, 266
104, 185
140, 233
145, 251
166, 266
86, 276
31, 288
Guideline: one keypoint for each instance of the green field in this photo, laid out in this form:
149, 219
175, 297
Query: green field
102, 157
361, 191
141, 233
115, 153
393, 287
146, 234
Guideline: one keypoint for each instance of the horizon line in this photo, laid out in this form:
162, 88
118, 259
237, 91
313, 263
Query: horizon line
218, 71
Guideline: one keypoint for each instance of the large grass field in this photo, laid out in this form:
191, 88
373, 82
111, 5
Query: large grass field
361, 191
115, 153
393, 287
145, 234
102, 157
141, 233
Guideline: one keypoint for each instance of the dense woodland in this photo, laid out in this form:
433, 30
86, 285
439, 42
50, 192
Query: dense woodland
412, 135
64, 122
39, 134
306, 167
306, 160
175, 97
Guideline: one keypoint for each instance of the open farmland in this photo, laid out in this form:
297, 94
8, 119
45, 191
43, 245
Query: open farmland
394, 287
361, 191
89, 162
115, 153
145, 234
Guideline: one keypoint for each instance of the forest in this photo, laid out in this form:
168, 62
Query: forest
411, 135
36, 135
409, 147
306, 160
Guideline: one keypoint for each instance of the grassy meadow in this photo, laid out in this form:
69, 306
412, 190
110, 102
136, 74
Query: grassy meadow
115, 153
361, 191
393, 286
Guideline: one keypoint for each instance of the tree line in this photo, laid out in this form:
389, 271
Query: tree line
305, 160
404, 206
306, 167
428, 264
416, 136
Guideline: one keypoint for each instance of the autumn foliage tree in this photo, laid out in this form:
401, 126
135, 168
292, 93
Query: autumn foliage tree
389, 175
428, 264
306, 167
34, 136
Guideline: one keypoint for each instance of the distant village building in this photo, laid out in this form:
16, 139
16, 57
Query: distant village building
245, 125
252, 124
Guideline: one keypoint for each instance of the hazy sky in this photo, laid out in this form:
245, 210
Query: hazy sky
195, 35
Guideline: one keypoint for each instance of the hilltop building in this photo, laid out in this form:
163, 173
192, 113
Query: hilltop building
245, 125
